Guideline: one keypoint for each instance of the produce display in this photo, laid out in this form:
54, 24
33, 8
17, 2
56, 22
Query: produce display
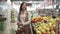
44, 25
2, 24
13, 16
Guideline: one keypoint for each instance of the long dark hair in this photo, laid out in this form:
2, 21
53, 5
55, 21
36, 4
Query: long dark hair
21, 6
20, 10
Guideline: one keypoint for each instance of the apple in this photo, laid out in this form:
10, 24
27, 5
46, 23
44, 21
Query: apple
22, 29
52, 32
38, 32
59, 32
44, 32
34, 28
45, 21
52, 19
48, 32
59, 21
47, 29
50, 24
59, 26
39, 28
54, 27
51, 28
44, 27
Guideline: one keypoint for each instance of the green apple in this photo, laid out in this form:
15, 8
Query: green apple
42, 30
39, 28
44, 27
50, 24
38, 32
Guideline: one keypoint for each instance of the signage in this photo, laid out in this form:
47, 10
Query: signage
2, 0
27, 0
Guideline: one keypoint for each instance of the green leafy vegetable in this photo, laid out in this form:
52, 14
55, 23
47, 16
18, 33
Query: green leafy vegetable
2, 24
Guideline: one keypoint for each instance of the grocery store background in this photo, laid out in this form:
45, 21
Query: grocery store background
8, 6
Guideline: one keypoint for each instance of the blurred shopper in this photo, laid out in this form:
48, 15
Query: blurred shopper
35, 13
24, 19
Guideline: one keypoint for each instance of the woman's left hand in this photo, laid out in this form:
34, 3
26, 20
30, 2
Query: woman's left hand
19, 23
26, 19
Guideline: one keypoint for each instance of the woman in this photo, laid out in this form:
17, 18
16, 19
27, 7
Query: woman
24, 18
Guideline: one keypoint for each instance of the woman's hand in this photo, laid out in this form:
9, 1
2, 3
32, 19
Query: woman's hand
26, 19
19, 23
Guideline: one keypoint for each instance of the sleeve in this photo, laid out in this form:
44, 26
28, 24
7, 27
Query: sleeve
29, 19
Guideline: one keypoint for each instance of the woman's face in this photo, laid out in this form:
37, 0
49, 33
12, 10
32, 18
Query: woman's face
24, 6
